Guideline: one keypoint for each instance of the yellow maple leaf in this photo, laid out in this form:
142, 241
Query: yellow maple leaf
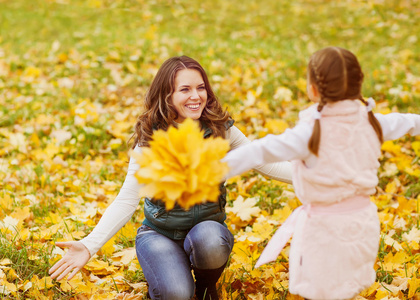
104, 295
416, 147
128, 231
413, 172
245, 208
406, 205
6, 202
85, 112
65, 286
394, 262
390, 147
181, 167
21, 214
413, 235
2, 275
283, 213
8, 287
283, 94
32, 71
23, 234
43, 283
119, 129
263, 230
81, 285
414, 245
243, 256
381, 293
10, 224
100, 267
125, 256
391, 187
276, 126
5, 262
407, 270
293, 297
129, 296
414, 284
108, 248
402, 161
392, 243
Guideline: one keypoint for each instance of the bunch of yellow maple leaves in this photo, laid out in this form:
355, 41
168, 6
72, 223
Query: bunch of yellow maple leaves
181, 167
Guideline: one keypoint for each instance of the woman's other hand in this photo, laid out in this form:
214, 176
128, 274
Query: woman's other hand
75, 259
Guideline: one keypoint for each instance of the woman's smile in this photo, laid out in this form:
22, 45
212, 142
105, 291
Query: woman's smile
193, 106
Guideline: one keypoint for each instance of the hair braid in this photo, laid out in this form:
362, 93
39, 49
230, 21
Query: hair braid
316, 133
374, 122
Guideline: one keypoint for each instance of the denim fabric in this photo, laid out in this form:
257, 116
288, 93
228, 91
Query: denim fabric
167, 263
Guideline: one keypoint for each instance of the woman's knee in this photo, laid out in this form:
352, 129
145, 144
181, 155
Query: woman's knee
211, 233
208, 245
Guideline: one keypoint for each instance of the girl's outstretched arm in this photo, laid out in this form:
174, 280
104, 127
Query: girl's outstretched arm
281, 171
292, 144
396, 125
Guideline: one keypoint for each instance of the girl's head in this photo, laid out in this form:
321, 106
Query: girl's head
334, 74
180, 90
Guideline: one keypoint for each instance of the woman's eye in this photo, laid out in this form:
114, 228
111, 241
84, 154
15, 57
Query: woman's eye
201, 88
184, 90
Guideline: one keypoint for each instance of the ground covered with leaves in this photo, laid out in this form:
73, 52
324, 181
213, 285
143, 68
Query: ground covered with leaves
72, 78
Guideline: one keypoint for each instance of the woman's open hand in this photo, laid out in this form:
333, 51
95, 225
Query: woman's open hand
76, 258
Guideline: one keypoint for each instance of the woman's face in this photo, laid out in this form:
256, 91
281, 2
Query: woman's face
190, 95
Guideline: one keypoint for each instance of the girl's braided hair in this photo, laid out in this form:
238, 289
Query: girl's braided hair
337, 75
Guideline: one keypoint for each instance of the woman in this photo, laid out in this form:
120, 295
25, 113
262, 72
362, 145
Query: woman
169, 244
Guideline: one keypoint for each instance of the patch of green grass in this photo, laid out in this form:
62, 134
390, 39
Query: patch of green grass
28, 260
136, 276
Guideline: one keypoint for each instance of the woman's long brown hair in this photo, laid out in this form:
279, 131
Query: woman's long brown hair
159, 112
337, 75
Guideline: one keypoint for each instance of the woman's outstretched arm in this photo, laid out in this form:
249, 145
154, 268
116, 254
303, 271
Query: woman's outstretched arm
114, 218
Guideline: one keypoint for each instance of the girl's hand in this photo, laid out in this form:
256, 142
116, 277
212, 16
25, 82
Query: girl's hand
76, 257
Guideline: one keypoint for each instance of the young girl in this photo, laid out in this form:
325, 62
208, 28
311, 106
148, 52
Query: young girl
334, 151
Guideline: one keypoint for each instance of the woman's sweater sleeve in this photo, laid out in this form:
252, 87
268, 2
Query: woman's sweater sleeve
292, 144
118, 213
396, 125
281, 171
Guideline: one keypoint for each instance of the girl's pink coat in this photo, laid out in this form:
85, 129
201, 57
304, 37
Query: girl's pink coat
332, 256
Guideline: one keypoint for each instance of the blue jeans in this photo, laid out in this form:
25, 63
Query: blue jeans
167, 263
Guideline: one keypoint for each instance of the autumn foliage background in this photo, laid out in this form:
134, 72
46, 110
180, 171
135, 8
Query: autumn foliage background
72, 78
